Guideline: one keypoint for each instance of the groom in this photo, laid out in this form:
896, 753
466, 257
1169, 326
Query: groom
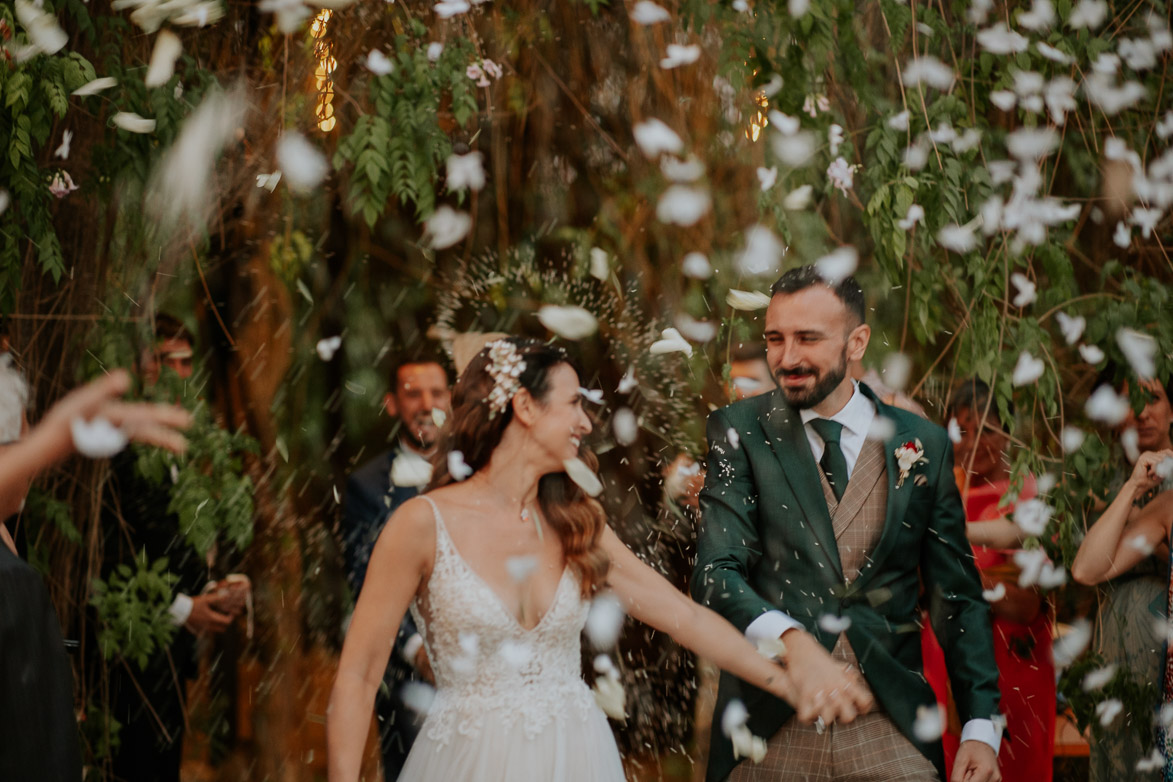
816, 532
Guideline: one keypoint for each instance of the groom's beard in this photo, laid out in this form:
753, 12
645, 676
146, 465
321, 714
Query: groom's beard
804, 398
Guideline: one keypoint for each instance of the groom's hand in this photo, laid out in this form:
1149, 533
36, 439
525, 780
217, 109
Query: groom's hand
976, 762
825, 686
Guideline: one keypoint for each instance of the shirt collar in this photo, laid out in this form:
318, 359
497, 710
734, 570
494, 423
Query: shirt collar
855, 416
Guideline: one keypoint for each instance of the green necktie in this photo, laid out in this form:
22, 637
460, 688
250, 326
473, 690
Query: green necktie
834, 464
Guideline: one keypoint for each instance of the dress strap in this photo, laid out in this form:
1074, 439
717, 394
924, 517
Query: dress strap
442, 537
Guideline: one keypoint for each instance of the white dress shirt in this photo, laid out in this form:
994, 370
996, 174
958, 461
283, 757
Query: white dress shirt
857, 417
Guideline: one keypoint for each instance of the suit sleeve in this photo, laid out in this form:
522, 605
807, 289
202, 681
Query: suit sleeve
361, 517
728, 545
959, 615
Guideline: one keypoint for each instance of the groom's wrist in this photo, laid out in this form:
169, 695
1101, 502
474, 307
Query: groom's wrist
987, 732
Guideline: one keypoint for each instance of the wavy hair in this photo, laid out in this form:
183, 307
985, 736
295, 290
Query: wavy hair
577, 518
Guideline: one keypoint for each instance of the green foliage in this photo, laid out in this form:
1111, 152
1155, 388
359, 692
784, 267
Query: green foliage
1125, 686
209, 490
132, 610
395, 150
45, 515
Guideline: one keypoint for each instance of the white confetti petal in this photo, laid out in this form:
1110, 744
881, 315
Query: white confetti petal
696, 266
1001, 40
457, 467
899, 121
418, 696
466, 171
446, 9
627, 383
42, 28
671, 341
610, 697
1095, 680
520, 568
896, 370
1091, 354
683, 205
1106, 406
1072, 438
762, 254
1071, 327
678, 55
97, 439
954, 430
646, 12
747, 301
62, 151
95, 86
1130, 442
269, 181
677, 170
995, 594
734, 438
584, 476
916, 214
1025, 289
446, 227
167, 49
1139, 350
654, 137
1040, 17
604, 621
928, 70
1030, 144
696, 330
1032, 516
1109, 710
959, 239
1053, 54
1089, 13
1153, 762
795, 150
829, 623
734, 716
133, 123
568, 321
600, 267
837, 265
882, 429
379, 63
625, 426
929, 724
767, 177
1071, 644
327, 347
798, 198
302, 164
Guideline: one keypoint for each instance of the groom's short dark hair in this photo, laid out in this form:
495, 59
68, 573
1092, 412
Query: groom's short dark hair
803, 277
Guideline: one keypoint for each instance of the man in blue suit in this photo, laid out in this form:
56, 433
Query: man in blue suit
373, 492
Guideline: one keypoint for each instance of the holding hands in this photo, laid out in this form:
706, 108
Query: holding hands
825, 688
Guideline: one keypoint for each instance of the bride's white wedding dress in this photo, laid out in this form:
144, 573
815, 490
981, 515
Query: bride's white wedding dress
510, 703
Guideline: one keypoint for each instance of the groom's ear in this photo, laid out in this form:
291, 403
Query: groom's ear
857, 341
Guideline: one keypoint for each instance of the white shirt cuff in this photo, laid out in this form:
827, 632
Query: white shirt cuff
180, 609
411, 648
985, 731
770, 626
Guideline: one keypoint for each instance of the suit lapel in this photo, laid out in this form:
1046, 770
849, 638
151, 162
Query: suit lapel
787, 438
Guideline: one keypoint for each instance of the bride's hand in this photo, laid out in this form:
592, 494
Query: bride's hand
1145, 474
825, 687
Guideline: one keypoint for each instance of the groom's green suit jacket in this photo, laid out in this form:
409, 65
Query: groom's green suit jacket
766, 543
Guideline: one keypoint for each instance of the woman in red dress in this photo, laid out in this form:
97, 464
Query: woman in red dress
1022, 620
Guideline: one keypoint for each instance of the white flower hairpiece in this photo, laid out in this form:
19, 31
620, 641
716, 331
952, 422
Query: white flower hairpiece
505, 366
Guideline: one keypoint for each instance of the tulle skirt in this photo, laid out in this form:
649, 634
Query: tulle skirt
573, 746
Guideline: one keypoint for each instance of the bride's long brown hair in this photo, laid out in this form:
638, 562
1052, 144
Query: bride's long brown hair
576, 518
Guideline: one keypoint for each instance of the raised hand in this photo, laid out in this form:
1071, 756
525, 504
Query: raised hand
826, 687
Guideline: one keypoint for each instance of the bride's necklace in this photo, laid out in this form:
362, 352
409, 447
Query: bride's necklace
527, 517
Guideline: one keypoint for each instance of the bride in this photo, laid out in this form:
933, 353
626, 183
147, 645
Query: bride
498, 569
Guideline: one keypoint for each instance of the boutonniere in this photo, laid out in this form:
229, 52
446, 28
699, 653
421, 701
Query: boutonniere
908, 456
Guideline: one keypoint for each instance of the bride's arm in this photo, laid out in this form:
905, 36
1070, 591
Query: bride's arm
401, 557
648, 597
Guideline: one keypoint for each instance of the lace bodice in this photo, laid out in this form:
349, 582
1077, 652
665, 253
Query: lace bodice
486, 665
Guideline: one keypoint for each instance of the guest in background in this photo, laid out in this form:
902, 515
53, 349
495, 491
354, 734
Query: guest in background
1133, 578
38, 725
1022, 618
420, 391
150, 701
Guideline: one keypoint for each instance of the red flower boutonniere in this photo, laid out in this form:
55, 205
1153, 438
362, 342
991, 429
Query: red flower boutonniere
908, 456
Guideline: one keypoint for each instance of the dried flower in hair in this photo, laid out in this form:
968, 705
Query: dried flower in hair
505, 367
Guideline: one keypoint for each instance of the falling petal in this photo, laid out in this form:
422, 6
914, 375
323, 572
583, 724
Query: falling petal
929, 723
1109, 710
829, 623
1071, 644
954, 430
604, 621
97, 439
584, 476
1071, 327
62, 151
1025, 290
1139, 350
600, 264
1106, 406
995, 594
837, 265
654, 137
1032, 516
1091, 354
682, 205
129, 121
670, 342
520, 568
417, 696
167, 49
696, 266
646, 12
678, 55
328, 347
379, 63
762, 254
446, 227
1095, 680
466, 171
747, 301
1130, 443
569, 322
302, 164
95, 86
798, 198
625, 426
457, 467
1072, 438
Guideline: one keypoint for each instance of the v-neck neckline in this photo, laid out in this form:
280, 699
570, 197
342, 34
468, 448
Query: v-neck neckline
497, 599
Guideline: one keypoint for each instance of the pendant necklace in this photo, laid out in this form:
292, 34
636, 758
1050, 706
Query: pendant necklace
526, 517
